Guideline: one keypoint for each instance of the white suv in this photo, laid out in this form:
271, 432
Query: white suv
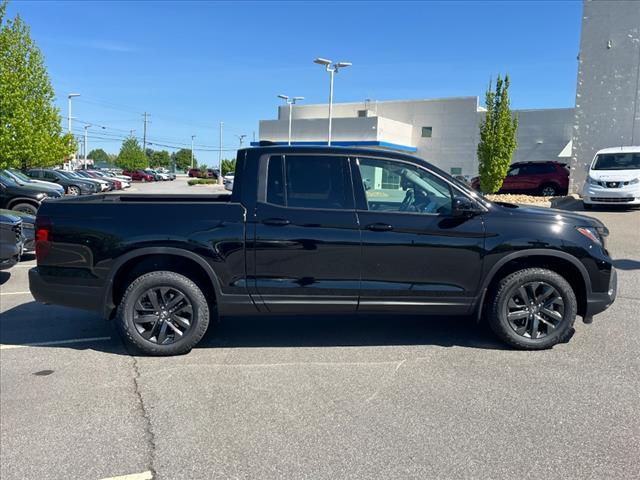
614, 178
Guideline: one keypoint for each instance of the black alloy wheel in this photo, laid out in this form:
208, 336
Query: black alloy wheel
163, 315
535, 310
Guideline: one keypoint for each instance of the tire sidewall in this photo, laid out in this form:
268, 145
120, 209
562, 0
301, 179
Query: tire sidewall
513, 283
200, 319
25, 208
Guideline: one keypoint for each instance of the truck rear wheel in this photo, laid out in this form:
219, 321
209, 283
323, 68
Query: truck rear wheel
533, 309
163, 313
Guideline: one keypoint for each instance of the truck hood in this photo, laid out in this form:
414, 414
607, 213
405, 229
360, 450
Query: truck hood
551, 215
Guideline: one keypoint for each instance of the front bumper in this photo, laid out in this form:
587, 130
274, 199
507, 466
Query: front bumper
623, 195
598, 302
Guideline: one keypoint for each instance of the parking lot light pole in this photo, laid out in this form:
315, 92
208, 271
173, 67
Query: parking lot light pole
192, 137
220, 156
86, 150
69, 97
332, 69
291, 101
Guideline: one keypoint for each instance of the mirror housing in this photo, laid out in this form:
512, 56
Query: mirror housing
464, 206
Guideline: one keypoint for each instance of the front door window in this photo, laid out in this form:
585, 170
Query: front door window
401, 187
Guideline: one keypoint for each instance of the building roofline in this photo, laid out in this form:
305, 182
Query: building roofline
371, 101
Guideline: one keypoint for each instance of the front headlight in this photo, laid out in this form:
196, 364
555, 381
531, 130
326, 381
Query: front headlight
592, 181
634, 181
595, 234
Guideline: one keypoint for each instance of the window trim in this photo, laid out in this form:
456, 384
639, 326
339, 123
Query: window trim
263, 169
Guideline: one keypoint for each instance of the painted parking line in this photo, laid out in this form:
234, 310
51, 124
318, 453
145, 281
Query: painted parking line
134, 476
16, 293
56, 342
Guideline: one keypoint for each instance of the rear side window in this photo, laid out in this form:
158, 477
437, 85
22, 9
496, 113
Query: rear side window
309, 181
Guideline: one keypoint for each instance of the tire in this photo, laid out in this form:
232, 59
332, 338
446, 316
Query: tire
147, 337
549, 190
74, 190
504, 308
587, 206
25, 208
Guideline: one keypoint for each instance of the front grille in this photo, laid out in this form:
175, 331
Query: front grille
17, 230
613, 199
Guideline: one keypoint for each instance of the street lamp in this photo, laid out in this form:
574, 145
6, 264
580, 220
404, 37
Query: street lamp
69, 97
332, 69
291, 101
192, 137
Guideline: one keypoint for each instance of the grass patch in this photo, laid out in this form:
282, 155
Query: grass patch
202, 181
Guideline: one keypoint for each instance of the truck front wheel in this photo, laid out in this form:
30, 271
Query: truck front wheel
533, 309
163, 313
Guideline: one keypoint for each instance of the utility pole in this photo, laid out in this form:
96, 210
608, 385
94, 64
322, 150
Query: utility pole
254, 136
241, 139
144, 135
220, 157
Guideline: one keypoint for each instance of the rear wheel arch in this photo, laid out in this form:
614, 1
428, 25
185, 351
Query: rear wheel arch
561, 263
131, 266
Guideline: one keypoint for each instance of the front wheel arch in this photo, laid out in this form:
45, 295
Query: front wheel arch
562, 264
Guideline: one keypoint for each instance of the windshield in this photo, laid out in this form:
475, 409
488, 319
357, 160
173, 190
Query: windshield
19, 175
617, 161
7, 181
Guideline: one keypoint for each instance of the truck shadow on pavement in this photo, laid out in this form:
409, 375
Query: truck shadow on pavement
33, 323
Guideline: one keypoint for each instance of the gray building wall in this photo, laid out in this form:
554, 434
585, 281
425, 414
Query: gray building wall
542, 134
607, 112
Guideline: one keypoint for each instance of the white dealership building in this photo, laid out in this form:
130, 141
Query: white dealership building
443, 131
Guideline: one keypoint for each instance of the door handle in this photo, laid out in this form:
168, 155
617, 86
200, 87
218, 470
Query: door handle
380, 227
276, 222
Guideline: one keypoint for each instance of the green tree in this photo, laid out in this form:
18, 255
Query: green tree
497, 137
160, 158
228, 166
30, 125
182, 159
99, 155
131, 156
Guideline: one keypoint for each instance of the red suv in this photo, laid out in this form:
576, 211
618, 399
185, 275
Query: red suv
195, 172
138, 175
542, 178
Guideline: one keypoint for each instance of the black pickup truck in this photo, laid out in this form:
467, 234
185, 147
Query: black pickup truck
322, 229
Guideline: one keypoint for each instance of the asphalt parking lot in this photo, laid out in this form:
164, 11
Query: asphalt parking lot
317, 397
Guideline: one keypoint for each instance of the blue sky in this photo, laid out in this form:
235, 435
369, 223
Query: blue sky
194, 64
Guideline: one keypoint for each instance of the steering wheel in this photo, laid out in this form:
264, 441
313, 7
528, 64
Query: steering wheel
409, 198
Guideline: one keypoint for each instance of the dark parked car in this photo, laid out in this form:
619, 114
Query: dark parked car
73, 185
11, 239
540, 178
300, 233
138, 175
23, 197
22, 178
28, 228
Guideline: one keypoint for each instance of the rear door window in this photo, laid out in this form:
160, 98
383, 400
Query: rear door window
309, 181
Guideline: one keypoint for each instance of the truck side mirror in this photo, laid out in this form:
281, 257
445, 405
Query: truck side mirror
463, 206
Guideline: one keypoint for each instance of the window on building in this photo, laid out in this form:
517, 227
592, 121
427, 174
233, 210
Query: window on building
400, 187
309, 181
363, 113
426, 132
